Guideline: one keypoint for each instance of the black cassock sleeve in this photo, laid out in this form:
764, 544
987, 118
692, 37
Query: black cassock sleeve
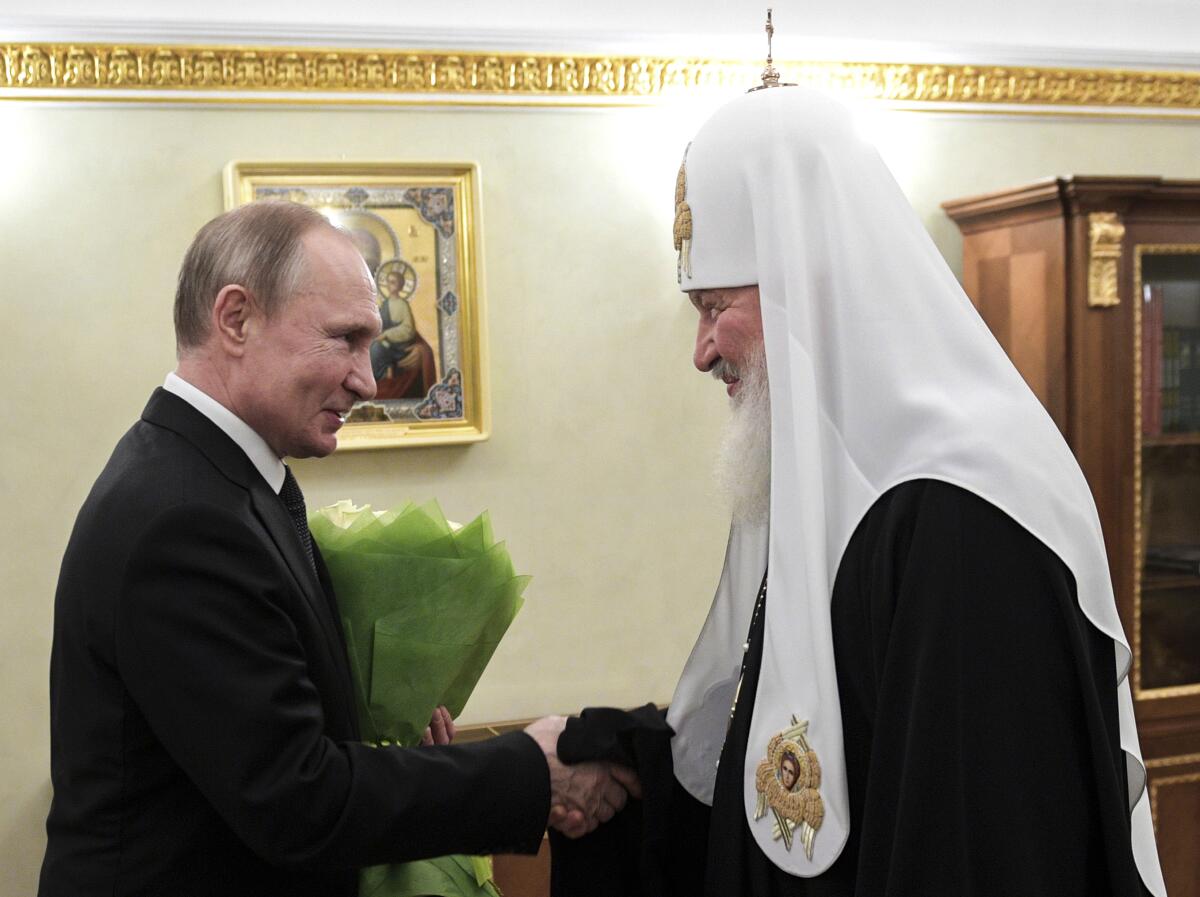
980, 721
652, 848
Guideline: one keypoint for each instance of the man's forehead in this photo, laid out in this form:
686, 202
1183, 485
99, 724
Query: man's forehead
699, 297
334, 248
716, 294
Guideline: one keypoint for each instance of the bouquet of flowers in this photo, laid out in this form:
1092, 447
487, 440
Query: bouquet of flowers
424, 605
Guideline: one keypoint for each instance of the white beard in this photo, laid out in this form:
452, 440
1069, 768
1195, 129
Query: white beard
743, 468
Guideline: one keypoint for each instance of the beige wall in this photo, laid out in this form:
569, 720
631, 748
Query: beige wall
597, 470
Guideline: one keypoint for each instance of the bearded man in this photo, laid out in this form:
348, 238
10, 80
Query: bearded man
915, 607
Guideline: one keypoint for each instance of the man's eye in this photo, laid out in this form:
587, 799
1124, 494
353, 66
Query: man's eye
713, 312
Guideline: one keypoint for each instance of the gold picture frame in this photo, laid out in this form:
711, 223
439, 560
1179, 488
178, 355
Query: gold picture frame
416, 226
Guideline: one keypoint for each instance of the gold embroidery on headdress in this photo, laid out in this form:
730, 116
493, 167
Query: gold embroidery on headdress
788, 782
683, 222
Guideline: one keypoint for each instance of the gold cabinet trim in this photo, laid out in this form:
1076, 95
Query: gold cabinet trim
1178, 760
1105, 233
282, 74
1182, 779
1173, 691
1166, 781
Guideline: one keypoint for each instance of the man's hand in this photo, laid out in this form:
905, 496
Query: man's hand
582, 795
441, 729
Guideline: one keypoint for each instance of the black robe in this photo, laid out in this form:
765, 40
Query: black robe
980, 726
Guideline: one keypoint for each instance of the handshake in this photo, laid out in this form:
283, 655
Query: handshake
582, 795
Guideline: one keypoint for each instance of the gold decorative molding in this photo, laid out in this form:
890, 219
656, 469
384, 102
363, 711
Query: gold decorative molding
1158, 780
84, 70
1105, 232
1157, 785
224, 69
1178, 760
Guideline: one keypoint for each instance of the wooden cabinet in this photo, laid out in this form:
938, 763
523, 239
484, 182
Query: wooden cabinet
1092, 285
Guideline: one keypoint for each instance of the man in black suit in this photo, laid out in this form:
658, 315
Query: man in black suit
203, 737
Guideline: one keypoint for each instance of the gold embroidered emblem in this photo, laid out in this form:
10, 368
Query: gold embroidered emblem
788, 782
683, 222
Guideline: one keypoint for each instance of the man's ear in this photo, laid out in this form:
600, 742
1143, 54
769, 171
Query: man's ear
232, 314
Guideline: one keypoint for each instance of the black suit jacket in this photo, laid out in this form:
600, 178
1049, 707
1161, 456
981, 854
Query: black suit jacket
203, 738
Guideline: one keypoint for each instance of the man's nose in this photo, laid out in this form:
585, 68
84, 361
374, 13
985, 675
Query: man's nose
361, 380
705, 354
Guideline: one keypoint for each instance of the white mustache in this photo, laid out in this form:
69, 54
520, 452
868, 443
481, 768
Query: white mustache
725, 369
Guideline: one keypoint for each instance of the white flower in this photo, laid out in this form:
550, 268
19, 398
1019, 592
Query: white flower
345, 512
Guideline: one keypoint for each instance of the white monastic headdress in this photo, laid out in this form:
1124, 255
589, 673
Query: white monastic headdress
880, 372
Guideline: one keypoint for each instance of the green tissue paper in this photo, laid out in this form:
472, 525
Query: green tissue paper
424, 605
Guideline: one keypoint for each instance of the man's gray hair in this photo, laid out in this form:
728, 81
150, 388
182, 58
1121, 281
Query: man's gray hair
256, 246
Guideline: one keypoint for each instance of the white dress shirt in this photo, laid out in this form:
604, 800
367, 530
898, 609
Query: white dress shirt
260, 454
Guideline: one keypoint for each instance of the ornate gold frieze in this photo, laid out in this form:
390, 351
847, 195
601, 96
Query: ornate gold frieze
95, 66
60, 69
1105, 232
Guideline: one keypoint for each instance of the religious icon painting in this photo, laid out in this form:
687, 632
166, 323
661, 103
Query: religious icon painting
788, 782
414, 225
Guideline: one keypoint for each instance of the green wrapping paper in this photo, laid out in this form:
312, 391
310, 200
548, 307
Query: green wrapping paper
424, 606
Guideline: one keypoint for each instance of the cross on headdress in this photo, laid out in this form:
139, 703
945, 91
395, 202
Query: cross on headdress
770, 75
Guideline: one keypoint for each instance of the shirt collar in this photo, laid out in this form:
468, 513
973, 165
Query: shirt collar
260, 454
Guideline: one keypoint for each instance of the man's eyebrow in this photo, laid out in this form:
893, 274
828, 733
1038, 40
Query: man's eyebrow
353, 328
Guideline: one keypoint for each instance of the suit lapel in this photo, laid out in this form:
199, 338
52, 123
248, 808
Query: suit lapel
168, 410
278, 523
331, 598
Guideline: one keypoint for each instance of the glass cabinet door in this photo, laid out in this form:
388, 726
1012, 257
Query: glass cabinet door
1167, 601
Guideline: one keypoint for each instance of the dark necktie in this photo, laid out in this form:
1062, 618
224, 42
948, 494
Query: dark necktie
293, 500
